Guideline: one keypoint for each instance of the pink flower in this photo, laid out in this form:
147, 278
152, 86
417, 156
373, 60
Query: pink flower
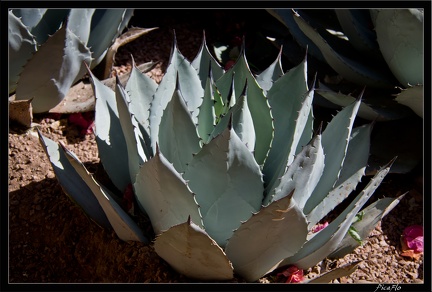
229, 64
413, 237
293, 275
319, 227
83, 121
128, 199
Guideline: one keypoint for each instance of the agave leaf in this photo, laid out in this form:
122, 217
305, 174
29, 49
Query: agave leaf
107, 25
135, 151
376, 106
42, 22
48, 76
143, 137
291, 104
79, 21
302, 175
227, 182
372, 215
413, 98
241, 119
203, 61
339, 129
125, 228
334, 198
269, 76
352, 171
189, 83
355, 25
328, 239
218, 102
164, 194
178, 135
400, 37
365, 111
207, 114
337, 273
284, 228
257, 103
286, 17
30, 17
351, 69
193, 253
110, 138
357, 154
141, 89
72, 183
22, 45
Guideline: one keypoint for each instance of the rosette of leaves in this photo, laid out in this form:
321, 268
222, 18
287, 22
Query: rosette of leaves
226, 166
48, 49
378, 48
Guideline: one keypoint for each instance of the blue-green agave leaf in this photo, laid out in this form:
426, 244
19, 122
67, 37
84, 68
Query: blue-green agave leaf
41, 22
400, 38
372, 215
243, 122
106, 26
352, 171
274, 233
72, 183
193, 253
207, 113
164, 194
328, 239
355, 24
227, 182
286, 17
412, 97
241, 119
178, 135
48, 76
268, 77
365, 111
351, 69
22, 45
124, 226
219, 106
135, 151
204, 62
30, 17
335, 139
334, 198
110, 138
357, 154
141, 89
79, 22
257, 103
291, 104
179, 71
302, 174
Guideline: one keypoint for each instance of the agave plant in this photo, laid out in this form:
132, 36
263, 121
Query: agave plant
227, 167
48, 47
379, 48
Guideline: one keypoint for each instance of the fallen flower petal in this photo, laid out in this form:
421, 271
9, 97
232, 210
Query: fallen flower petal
413, 237
83, 121
293, 275
319, 227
